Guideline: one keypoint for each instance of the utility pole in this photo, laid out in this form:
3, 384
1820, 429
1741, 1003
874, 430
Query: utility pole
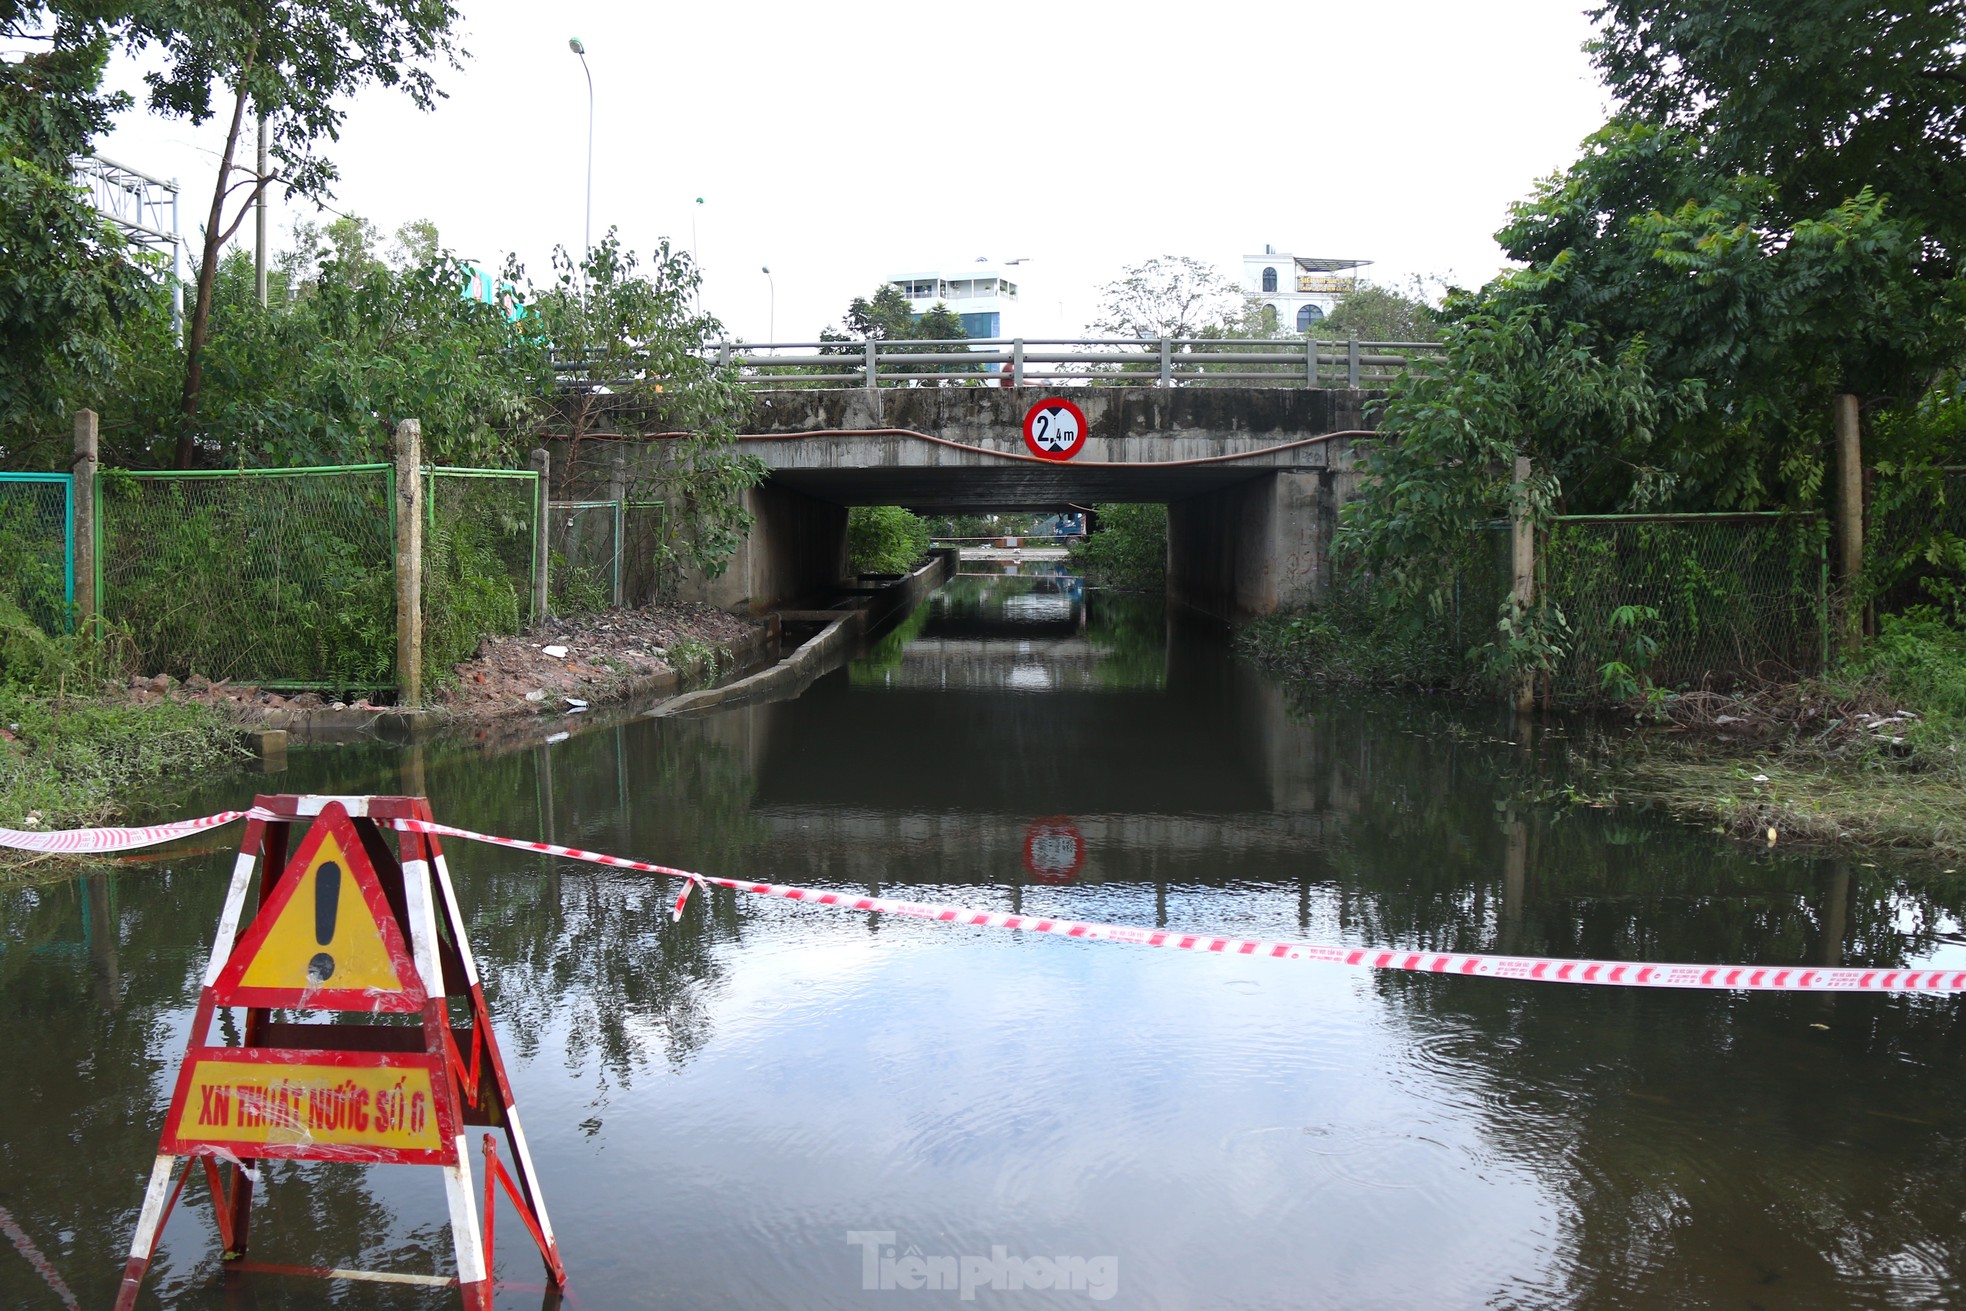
259, 220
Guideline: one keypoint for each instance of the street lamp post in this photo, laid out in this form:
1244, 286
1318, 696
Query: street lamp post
773, 283
574, 44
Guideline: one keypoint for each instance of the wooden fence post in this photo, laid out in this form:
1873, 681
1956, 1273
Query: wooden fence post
409, 563
542, 524
82, 487
1849, 514
1522, 568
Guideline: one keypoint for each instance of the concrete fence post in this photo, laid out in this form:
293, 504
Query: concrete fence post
1849, 513
723, 355
542, 527
1351, 361
618, 493
872, 379
1017, 362
409, 563
1310, 362
82, 487
1522, 564
1166, 362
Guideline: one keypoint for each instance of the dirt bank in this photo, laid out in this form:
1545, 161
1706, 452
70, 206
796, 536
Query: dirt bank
556, 667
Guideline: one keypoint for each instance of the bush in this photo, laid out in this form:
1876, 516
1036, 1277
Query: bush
1129, 550
884, 539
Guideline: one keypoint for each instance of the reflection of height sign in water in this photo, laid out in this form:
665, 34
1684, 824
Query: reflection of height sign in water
345, 926
1054, 429
1053, 850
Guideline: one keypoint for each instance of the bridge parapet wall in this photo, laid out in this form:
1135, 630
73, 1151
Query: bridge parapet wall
977, 415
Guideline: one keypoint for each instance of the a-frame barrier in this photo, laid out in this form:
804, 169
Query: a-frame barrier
343, 924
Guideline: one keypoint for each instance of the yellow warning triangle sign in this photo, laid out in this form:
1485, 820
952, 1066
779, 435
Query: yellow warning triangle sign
326, 937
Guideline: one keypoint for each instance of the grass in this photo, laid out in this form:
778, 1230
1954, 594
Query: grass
1871, 754
70, 759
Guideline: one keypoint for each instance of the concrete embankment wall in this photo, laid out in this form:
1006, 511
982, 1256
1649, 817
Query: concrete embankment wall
831, 647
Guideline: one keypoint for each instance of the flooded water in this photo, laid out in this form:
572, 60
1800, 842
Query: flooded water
778, 1105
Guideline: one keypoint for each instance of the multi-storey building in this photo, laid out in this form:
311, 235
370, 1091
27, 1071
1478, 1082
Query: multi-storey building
981, 294
1302, 289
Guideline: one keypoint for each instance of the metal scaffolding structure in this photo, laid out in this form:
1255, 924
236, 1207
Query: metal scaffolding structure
144, 207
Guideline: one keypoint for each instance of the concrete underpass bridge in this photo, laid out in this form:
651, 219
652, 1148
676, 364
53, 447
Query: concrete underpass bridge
1253, 478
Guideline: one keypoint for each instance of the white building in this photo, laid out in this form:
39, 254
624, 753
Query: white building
1302, 289
982, 294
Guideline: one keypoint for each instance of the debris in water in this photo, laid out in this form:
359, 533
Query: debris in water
1771, 835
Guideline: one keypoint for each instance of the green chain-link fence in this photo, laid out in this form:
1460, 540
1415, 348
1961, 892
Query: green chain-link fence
283, 577
644, 529
37, 546
1915, 540
477, 560
584, 540
1722, 595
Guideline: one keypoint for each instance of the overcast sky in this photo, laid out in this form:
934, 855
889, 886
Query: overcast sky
840, 144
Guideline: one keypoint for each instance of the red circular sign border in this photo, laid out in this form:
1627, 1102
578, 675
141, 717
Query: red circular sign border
1031, 443
1054, 823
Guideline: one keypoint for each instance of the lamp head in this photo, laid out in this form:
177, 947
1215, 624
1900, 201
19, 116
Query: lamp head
766, 270
573, 44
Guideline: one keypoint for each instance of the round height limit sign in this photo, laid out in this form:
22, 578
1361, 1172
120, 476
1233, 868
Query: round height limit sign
1054, 429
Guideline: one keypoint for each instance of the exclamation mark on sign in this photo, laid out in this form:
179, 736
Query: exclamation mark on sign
327, 901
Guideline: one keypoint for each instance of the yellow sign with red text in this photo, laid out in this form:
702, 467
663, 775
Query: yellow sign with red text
314, 1105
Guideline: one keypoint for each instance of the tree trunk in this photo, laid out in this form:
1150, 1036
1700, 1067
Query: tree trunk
201, 313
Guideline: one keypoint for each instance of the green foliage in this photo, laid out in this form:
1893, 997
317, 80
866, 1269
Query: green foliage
67, 282
298, 66
884, 539
1127, 549
937, 331
324, 378
697, 661
632, 348
1822, 97
73, 758
1350, 642
1632, 626
1769, 314
1516, 385
1372, 312
477, 552
254, 577
1921, 658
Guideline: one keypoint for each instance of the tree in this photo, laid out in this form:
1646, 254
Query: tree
884, 539
632, 349
1170, 296
1822, 97
1372, 312
67, 281
887, 317
295, 64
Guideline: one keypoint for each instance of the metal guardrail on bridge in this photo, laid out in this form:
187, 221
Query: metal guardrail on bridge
1083, 361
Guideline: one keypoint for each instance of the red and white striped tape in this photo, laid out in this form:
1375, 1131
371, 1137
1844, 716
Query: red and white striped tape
1539, 969
101, 841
